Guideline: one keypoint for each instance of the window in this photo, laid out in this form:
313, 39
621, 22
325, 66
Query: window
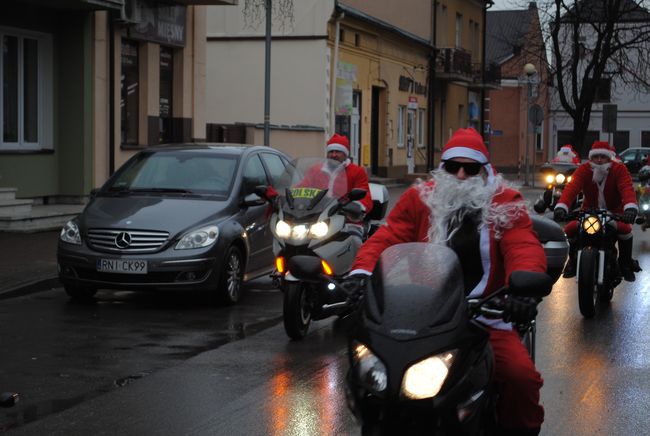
275, 166
539, 140
254, 175
26, 92
459, 31
441, 26
401, 110
621, 140
166, 94
645, 138
421, 121
129, 92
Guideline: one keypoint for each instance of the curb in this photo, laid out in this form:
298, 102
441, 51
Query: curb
31, 287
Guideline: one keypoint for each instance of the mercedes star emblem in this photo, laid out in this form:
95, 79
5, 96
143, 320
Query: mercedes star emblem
123, 240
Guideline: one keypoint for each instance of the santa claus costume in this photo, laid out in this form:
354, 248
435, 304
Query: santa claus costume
437, 211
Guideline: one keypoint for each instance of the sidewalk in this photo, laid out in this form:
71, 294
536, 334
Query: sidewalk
27, 262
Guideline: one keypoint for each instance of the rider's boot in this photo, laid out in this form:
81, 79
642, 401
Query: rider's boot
625, 259
570, 268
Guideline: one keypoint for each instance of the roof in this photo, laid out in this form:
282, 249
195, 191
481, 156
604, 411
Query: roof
506, 32
595, 11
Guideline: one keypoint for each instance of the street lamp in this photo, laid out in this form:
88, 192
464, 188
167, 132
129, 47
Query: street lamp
530, 71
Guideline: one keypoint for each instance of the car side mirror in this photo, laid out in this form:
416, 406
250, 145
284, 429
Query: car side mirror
253, 200
357, 194
530, 284
261, 190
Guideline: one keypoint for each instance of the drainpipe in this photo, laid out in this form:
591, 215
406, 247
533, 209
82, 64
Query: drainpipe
111, 94
335, 67
431, 93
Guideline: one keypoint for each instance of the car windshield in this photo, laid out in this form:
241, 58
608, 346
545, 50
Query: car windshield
181, 172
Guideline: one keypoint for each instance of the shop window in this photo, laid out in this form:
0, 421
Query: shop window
401, 110
129, 92
166, 94
26, 77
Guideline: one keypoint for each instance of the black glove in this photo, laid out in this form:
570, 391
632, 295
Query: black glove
353, 211
354, 285
629, 215
559, 214
520, 309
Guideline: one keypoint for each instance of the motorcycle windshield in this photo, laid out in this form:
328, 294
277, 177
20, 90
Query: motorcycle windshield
310, 185
417, 290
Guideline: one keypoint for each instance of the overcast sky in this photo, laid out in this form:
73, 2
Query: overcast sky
508, 4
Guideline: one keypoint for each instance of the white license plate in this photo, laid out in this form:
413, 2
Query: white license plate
123, 266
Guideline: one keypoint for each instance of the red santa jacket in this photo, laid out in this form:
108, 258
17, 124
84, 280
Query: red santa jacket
618, 190
319, 176
517, 249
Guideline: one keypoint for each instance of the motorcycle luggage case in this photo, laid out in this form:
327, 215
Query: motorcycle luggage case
555, 244
379, 195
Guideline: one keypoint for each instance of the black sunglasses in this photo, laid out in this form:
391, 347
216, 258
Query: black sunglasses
471, 168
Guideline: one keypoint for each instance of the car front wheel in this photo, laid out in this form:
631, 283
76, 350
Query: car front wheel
232, 274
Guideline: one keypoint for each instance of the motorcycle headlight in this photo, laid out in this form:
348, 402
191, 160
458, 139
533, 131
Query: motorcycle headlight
591, 225
70, 233
369, 368
319, 229
199, 238
425, 378
645, 206
549, 178
282, 229
299, 232
559, 178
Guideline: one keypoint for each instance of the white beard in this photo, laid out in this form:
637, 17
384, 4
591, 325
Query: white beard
600, 171
450, 200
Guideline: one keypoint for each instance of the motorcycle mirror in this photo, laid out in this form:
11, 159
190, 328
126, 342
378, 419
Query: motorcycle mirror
8, 399
261, 190
530, 284
305, 267
253, 200
356, 194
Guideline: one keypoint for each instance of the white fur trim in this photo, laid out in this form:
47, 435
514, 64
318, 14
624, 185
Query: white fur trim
625, 236
337, 147
467, 152
631, 206
604, 151
359, 271
562, 206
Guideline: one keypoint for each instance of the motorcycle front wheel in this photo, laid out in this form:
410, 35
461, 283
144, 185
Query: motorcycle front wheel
588, 282
296, 310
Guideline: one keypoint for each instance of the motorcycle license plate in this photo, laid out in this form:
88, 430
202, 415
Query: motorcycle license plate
122, 266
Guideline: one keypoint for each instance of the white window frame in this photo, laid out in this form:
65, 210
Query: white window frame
420, 122
45, 91
401, 112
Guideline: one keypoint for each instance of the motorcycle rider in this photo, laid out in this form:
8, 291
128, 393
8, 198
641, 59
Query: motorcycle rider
331, 177
566, 154
605, 184
468, 206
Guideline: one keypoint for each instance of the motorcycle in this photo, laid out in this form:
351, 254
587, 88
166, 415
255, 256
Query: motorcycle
556, 177
420, 358
312, 216
597, 271
643, 198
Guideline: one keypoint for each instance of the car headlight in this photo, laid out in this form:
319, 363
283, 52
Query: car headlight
319, 229
70, 233
425, 378
299, 232
198, 238
591, 225
282, 229
559, 178
645, 206
549, 178
369, 368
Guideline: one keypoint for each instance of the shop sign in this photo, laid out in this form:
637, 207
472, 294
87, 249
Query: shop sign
158, 22
346, 76
413, 102
409, 85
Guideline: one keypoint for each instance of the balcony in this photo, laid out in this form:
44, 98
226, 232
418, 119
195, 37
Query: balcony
454, 64
492, 78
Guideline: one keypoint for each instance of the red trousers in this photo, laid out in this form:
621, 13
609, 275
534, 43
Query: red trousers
518, 382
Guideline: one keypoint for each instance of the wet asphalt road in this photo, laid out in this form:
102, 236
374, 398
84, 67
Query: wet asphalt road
166, 373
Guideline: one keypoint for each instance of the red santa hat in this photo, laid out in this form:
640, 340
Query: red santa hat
601, 148
468, 143
567, 147
338, 143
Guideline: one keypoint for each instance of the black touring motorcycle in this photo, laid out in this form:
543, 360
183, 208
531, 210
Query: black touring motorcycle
556, 177
420, 360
